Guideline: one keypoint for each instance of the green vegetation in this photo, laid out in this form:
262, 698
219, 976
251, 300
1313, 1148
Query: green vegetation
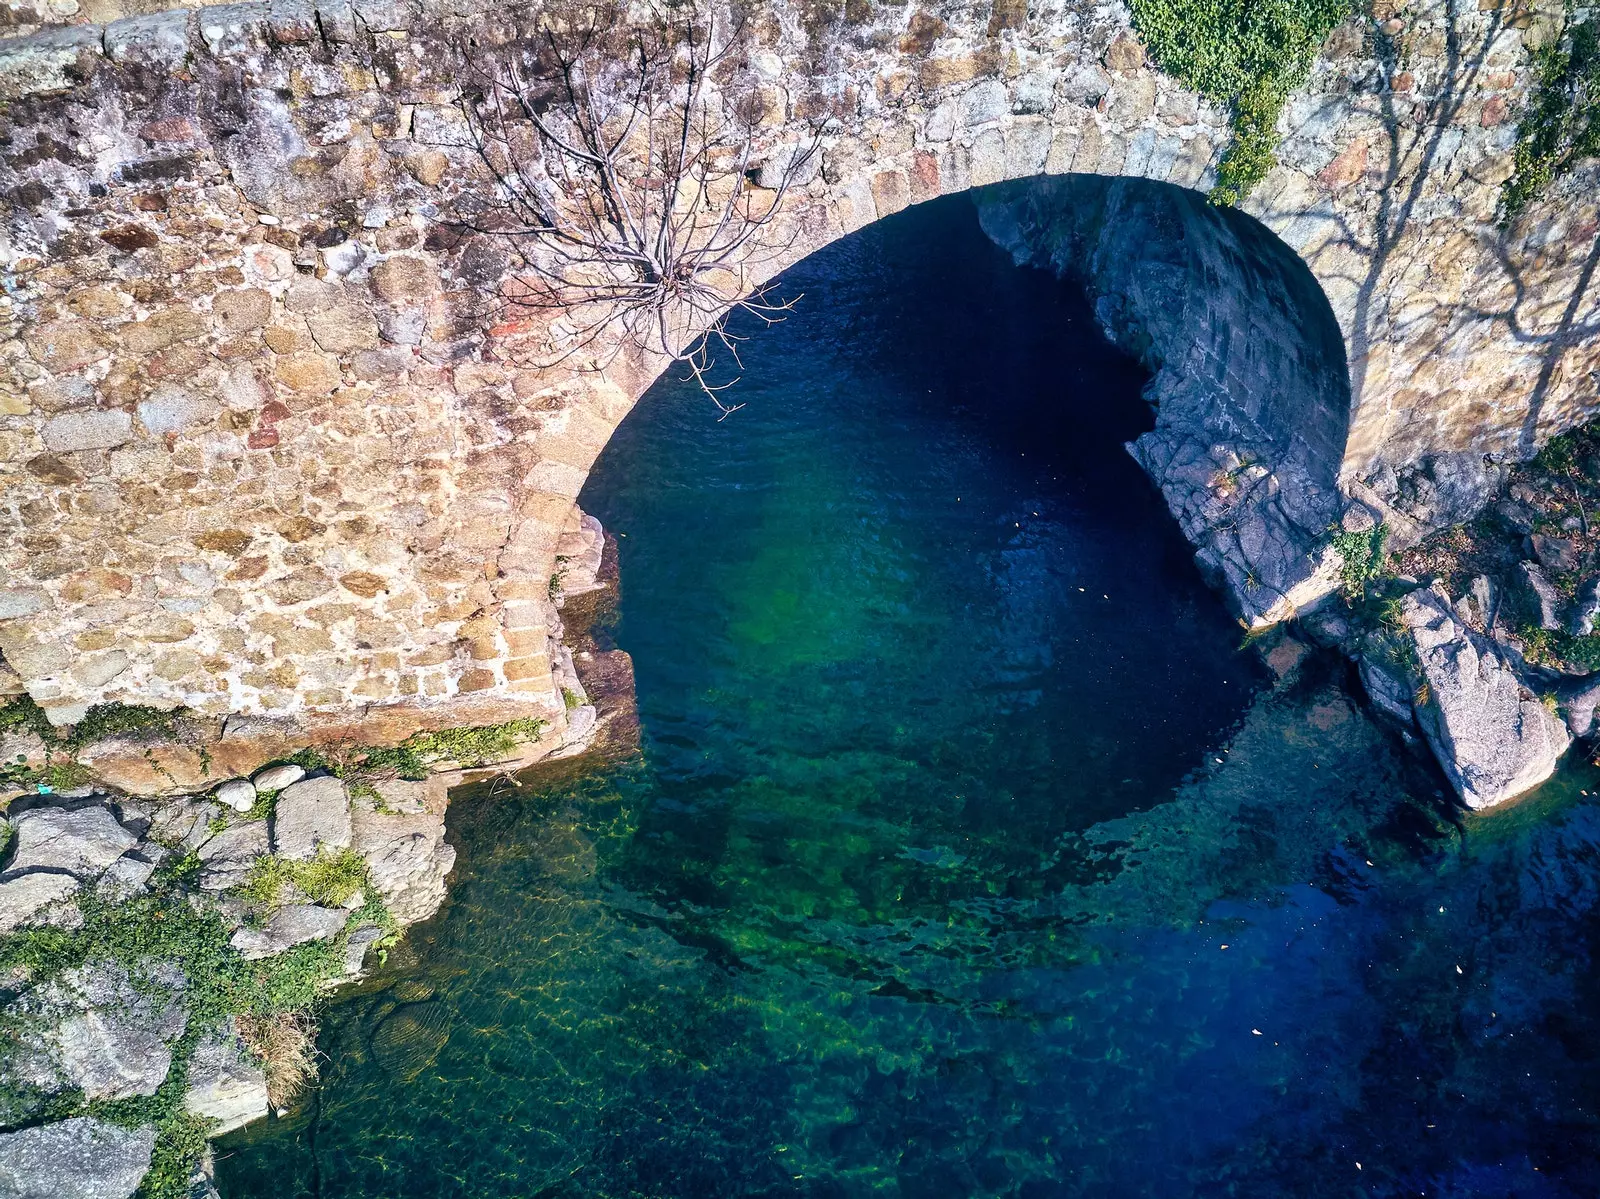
102, 722
1364, 558
469, 747
1247, 56
329, 879
1561, 124
143, 935
1549, 647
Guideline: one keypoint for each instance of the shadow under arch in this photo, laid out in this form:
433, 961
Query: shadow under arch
1250, 383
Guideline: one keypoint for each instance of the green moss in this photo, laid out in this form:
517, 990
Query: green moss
1246, 55
22, 714
1561, 125
468, 747
163, 927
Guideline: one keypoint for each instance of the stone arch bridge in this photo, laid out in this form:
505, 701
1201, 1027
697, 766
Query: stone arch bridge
263, 459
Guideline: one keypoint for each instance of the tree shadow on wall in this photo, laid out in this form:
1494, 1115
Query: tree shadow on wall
1416, 142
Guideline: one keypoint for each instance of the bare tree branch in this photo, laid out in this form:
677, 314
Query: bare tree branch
621, 151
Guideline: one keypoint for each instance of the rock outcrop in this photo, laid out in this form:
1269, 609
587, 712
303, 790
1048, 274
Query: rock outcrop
1493, 736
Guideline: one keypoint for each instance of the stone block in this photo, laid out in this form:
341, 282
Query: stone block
225, 1084
93, 430
82, 841
309, 816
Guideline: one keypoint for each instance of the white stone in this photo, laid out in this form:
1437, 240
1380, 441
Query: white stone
99, 430
276, 778
238, 794
173, 409
1493, 737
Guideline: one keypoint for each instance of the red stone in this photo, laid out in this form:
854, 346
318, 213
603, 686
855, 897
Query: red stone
263, 439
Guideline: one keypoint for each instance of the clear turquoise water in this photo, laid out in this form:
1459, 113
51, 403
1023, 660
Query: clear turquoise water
966, 853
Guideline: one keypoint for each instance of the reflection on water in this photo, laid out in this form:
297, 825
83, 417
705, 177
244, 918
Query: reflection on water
966, 854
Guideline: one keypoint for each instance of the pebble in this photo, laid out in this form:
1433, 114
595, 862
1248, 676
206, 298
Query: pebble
276, 778
266, 218
238, 794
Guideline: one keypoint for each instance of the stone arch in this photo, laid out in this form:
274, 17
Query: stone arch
365, 520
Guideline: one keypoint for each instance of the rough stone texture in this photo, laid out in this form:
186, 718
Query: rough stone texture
310, 815
283, 473
81, 841
227, 856
81, 1158
225, 1084
291, 925
1248, 443
408, 859
27, 897
356, 947
1493, 737
108, 1056
1544, 601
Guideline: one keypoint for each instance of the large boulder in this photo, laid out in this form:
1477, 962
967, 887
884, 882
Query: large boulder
81, 1158
108, 1055
1493, 736
289, 926
81, 841
407, 859
309, 816
225, 1084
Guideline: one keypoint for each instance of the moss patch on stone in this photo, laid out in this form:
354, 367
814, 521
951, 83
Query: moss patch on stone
1246, 55
1561, 125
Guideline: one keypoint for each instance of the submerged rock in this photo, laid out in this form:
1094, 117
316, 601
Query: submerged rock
81, 1158
1493, 737
309, 816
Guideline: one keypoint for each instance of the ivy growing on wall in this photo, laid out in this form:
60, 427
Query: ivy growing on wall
1246, 55
1562, 122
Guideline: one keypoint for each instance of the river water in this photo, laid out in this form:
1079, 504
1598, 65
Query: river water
967, 852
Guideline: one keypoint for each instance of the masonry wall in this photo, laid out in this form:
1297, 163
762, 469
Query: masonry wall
269, 446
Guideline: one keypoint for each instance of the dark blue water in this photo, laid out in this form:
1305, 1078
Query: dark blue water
967, 853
